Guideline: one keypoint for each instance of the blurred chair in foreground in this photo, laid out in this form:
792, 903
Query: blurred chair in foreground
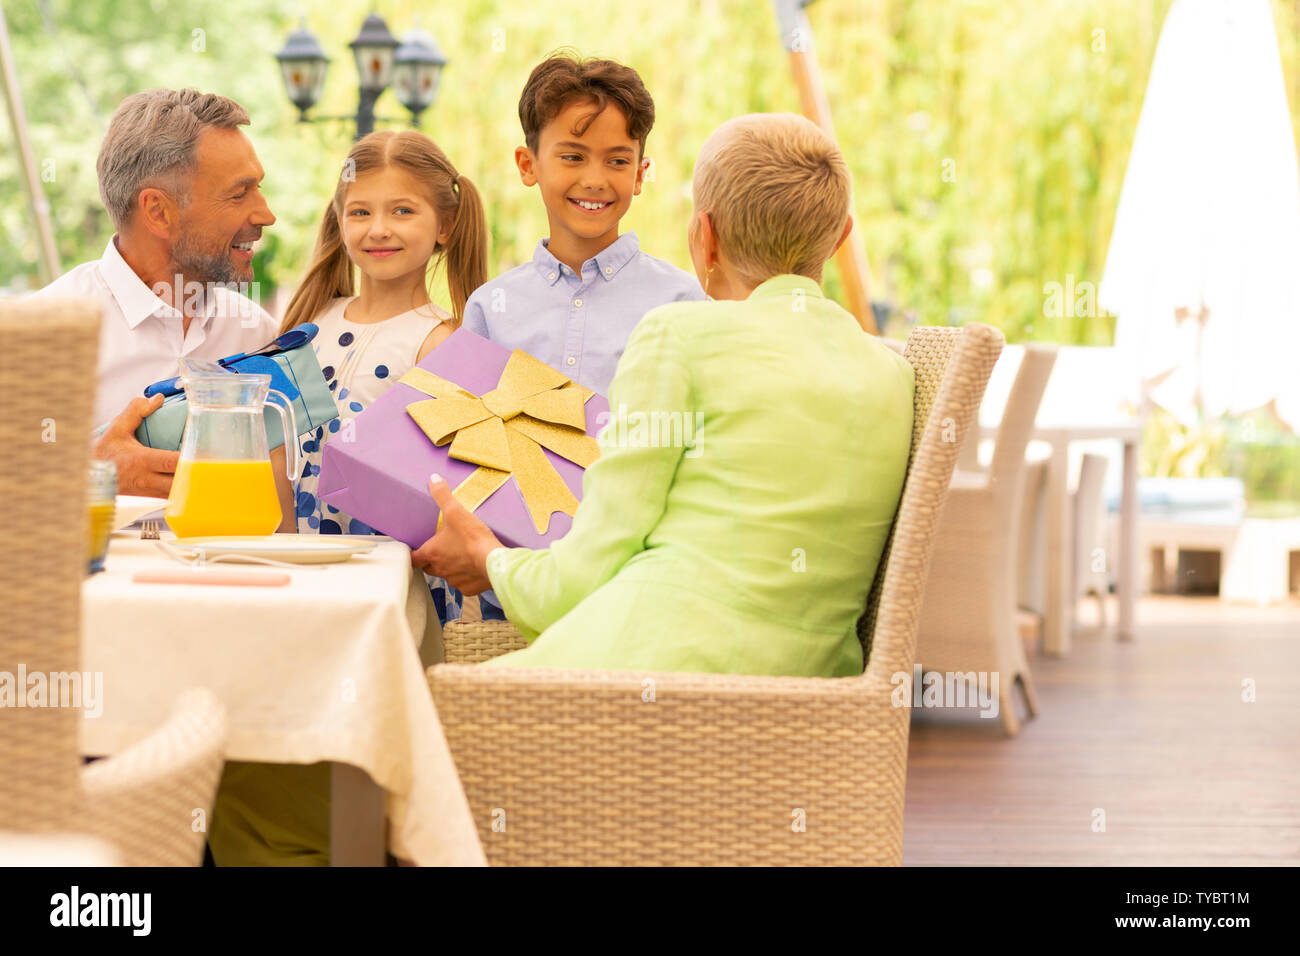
144, 799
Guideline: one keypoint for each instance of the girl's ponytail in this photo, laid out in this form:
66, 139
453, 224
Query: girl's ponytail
330, 275
466, 250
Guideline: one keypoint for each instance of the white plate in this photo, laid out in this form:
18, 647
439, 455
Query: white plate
295, 549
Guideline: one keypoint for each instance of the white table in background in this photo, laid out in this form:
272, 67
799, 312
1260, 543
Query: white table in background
1083, 402
1058, 612
327, 668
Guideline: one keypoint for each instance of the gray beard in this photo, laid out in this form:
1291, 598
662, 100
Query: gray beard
199, 265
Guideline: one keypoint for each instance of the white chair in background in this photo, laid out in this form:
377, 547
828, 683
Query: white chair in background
968, 620
1086, 410
1091, 561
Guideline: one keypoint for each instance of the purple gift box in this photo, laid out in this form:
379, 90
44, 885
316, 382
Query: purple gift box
377, 468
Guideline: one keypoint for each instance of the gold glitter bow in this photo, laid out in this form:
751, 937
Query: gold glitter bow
503, 432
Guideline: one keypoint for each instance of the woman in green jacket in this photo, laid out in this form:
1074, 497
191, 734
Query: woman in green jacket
754, 458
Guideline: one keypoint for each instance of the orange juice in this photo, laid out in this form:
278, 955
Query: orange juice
223, 498
100, 526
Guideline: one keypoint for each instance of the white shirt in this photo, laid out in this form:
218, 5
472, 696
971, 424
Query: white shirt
141, 337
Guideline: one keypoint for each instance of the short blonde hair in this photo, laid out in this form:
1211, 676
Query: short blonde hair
777, 192
152, 141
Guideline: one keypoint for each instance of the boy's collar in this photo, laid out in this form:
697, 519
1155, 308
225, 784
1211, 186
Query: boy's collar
607, 262
616, 255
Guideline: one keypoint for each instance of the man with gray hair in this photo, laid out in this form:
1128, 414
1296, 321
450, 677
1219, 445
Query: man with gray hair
181, 183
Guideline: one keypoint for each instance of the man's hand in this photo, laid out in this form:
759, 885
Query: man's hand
458, 550
140, 470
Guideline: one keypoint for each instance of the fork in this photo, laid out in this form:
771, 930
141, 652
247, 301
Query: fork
149, 531
199, 558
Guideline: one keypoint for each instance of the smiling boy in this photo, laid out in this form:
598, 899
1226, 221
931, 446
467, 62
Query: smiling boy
574, 306
576, 303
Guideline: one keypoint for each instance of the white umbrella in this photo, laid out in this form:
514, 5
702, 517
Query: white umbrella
1205, 255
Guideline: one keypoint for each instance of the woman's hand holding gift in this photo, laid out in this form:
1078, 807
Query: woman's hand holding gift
459, 548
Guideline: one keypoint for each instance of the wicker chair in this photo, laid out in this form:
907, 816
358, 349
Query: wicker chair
969, 625
630, 768
144, 799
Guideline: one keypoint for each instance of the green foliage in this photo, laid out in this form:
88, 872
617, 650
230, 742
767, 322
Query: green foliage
1254, 447
1267, 459
1171, 449
1035, 124
988, 139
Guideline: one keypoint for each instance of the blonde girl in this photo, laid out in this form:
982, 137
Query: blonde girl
400, 209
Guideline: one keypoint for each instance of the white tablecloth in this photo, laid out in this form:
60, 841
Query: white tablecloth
326, 668
56, 849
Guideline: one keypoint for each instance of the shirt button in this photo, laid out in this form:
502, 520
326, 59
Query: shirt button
570, 361
609, 270
577, 303
551, 277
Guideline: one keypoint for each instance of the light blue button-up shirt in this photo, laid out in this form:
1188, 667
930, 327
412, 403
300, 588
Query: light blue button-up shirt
577, 323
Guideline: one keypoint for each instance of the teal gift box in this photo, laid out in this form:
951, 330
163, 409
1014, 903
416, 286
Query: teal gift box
290, 361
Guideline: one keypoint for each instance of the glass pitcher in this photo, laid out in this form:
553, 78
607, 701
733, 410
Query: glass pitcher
224, 484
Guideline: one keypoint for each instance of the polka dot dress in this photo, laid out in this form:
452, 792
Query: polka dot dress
360, 362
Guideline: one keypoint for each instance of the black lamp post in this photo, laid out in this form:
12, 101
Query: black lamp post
373, 49
303, 64
413, 67
417, 66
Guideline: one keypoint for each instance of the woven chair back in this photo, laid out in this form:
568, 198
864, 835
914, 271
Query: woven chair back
952, 367
47, 365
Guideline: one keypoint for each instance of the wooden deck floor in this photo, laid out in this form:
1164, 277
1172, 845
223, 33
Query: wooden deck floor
1154, 732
